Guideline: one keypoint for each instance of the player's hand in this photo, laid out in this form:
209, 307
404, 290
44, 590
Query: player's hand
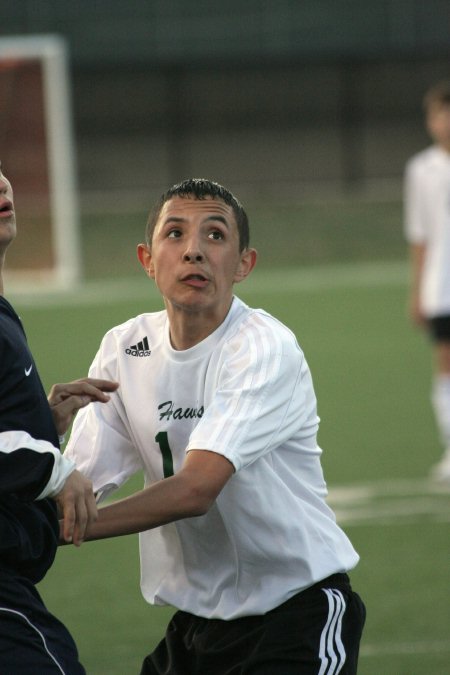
77, 507
66, 399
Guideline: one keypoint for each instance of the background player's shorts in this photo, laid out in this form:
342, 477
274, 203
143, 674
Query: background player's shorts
32, 641
439, 327
315, 631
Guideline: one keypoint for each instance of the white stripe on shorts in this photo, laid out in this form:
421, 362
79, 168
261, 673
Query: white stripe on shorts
22, 616
332, 651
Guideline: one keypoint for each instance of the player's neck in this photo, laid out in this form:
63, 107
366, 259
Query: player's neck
188, 330
186, 336
445, 147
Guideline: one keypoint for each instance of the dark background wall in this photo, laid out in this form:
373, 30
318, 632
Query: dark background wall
287, 97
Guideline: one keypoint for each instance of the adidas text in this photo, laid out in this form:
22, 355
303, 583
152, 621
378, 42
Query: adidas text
136, 352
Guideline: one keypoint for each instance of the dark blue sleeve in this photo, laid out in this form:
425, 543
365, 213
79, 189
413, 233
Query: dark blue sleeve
24, 472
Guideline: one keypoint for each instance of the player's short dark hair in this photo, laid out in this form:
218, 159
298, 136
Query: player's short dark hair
201, 188
437, 94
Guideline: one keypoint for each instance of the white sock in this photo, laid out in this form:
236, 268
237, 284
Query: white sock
440, 399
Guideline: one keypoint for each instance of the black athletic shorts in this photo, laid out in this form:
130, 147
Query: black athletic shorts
439, 327
32, 641
317, 631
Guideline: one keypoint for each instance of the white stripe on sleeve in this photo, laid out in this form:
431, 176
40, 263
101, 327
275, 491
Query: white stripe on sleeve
62, 467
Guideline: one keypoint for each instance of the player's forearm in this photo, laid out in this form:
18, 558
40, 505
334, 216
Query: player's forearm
164, 502
187, 494
417, 256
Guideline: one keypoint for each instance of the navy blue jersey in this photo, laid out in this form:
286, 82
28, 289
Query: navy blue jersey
28, 529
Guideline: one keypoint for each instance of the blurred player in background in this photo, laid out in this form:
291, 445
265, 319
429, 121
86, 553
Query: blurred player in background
35, 480
217, 406
427, 227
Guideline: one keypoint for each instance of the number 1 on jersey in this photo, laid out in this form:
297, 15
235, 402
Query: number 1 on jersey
166, 452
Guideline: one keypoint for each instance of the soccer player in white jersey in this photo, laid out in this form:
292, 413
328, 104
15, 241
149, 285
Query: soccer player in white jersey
427, 226
216, 405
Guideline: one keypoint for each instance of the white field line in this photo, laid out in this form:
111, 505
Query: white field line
273, 281
323, 277
390, 502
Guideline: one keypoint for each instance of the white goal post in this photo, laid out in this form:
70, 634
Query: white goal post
38, 156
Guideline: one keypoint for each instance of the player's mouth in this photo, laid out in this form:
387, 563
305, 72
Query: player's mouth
6, 209
195, 280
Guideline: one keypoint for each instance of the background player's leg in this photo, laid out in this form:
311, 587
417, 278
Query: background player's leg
441, 407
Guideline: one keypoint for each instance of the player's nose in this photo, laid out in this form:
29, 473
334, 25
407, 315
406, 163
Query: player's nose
193, 256
193, 251
5, 185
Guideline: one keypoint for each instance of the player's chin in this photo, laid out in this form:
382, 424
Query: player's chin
192, 300
192, 307
7, 228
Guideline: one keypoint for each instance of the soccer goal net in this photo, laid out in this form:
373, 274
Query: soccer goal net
37, 155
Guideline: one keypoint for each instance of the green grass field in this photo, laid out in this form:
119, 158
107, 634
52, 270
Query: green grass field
347, 306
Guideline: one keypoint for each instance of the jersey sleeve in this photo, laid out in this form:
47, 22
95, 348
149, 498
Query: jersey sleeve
415, 225
264, 397
100, 443
31, 469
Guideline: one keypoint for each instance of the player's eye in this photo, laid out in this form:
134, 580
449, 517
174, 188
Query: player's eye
174, 233
216, 234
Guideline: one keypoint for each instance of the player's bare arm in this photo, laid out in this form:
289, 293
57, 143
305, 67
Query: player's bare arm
66, 399
417, 256
189, 493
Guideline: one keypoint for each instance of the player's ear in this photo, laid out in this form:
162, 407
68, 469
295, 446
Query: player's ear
246, 264
145, 258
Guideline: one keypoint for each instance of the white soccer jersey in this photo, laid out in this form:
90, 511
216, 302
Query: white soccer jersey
427, 221
244, 392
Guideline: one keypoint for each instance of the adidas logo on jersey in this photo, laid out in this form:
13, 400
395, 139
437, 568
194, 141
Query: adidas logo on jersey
139, 349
